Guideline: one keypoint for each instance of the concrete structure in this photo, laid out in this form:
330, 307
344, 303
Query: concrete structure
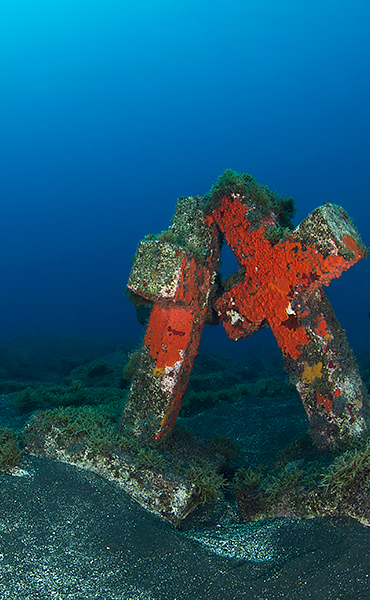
178, 277
279, 284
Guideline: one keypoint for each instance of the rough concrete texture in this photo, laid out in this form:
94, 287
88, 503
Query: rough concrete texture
178, 278
282, 288
168, 496
157, 269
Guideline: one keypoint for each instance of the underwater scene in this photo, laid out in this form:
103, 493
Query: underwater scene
185, 307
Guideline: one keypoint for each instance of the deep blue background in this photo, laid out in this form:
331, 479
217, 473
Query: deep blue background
112, 109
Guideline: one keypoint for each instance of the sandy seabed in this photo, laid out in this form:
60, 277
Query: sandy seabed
68, 534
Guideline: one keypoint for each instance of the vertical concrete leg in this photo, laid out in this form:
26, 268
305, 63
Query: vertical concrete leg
178, 278
327, 377
326, 373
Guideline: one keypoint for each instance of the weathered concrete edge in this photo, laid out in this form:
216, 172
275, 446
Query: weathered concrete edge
170, 499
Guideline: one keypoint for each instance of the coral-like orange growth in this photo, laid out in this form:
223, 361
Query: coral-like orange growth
321, 328
174, 331
274, 275
171, 324
350, 243
168, 333
324, 401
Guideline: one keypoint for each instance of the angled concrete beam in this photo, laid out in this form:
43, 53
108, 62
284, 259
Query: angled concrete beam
177, 277
282, 287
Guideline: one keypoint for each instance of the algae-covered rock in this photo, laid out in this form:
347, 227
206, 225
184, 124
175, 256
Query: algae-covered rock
9, 449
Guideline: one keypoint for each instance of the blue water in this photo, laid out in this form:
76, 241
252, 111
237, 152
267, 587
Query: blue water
111, 110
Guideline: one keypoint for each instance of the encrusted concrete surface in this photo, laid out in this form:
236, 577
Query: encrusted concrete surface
178, 278
279, 284
169, 497
68, 534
